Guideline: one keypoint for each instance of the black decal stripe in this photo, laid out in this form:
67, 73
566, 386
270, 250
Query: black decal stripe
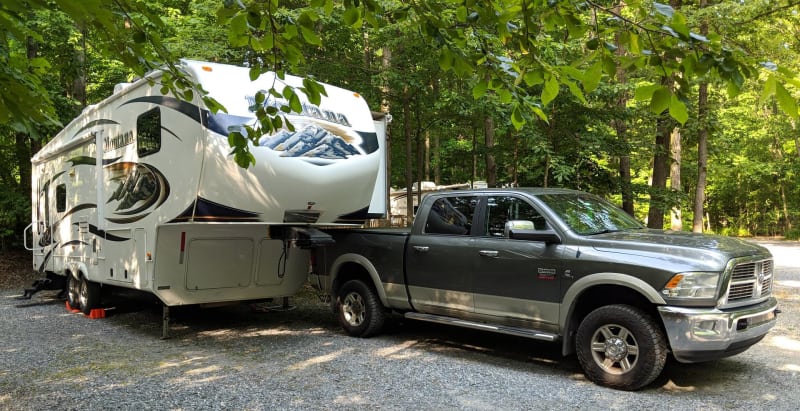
73, 242
46, 259
127, 220
188, 109
170, 131
108, 161
356, 217
83, 160
91, 124
205, 210
101, 233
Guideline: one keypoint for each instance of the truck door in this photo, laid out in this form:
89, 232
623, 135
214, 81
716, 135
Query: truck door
439, 259
516, 282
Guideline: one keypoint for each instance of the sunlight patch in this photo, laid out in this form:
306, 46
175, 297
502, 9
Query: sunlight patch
389, 351
790, 367
785, 343
314, 361
210, 368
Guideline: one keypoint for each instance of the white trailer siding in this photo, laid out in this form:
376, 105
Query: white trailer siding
140, 190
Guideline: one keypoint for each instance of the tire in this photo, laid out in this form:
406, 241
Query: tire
621, 346
89, 295
359, 310
73, 292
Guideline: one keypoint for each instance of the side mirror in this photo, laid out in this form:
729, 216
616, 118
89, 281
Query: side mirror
524, 230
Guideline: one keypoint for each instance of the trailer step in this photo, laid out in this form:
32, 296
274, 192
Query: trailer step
502, 329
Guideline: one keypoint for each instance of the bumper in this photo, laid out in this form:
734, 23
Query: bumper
704, 334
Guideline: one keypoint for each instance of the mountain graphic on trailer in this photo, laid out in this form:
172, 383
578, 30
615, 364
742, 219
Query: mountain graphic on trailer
310, 141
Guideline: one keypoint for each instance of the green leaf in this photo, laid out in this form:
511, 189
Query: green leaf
645, 93
352, 17
677, 110
310, 37
660, 100
786, 102
479, 90
576, 91
592, 77
504, 95
534, 77
517, 119
550, 90
445, 59
769, 88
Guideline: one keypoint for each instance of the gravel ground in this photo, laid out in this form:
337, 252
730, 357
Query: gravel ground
239, 358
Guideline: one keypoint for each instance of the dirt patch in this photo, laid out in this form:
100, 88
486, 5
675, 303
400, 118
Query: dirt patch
16, 270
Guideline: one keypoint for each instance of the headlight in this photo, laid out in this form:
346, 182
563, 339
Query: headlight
692, 285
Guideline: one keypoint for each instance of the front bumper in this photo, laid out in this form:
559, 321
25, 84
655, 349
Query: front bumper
704, 334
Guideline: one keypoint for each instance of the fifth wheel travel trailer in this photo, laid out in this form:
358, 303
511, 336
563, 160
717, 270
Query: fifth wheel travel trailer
140, 191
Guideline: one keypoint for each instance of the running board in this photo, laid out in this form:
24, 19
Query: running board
502, 329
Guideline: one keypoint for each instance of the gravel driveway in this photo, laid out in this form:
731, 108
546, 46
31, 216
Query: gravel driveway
240, 358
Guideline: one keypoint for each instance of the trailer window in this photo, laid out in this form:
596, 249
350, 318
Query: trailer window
148, 132
61, 198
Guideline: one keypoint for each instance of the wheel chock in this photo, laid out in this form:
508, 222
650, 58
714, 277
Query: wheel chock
72, 310
96, 313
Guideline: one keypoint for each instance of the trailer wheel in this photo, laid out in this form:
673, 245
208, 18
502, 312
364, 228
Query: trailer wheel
73, 292
621, 346
359, 310
89, 295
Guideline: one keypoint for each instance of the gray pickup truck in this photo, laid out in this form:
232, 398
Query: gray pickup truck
556, 265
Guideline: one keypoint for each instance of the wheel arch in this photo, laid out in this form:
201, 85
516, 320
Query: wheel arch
356, 267
597, 290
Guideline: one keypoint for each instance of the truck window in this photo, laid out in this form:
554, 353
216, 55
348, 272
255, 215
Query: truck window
61, 198
148, 132
451, 215
506, 208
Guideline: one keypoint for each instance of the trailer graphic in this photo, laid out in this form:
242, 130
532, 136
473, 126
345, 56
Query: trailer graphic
140, 191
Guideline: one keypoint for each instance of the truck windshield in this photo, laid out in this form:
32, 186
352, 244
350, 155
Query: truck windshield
587, 214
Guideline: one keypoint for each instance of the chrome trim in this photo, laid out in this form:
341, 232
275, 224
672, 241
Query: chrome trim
497, 328
744, 285
713, 330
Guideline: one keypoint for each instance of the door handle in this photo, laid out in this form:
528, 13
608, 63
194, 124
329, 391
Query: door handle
421, 248
489, 253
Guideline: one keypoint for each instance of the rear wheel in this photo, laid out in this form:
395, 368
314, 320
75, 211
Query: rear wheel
89, 295
359, 310
621, 346
73, 292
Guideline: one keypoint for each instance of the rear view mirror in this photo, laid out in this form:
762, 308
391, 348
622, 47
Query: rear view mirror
524, 230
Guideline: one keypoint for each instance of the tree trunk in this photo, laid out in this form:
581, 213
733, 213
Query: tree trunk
427, 155
655, 216
515, 159
491, 165
437, 161
676, 223
408, 133
474, 156
621, 128
702, 158
702, 145
386, 62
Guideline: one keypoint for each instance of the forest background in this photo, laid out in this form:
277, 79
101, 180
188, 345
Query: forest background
684, 114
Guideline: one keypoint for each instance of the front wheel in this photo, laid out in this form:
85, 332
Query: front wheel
621, 346
359, 310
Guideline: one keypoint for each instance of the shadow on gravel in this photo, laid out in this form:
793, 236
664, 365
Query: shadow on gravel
504, 350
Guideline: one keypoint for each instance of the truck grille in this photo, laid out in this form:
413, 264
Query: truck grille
750, 280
